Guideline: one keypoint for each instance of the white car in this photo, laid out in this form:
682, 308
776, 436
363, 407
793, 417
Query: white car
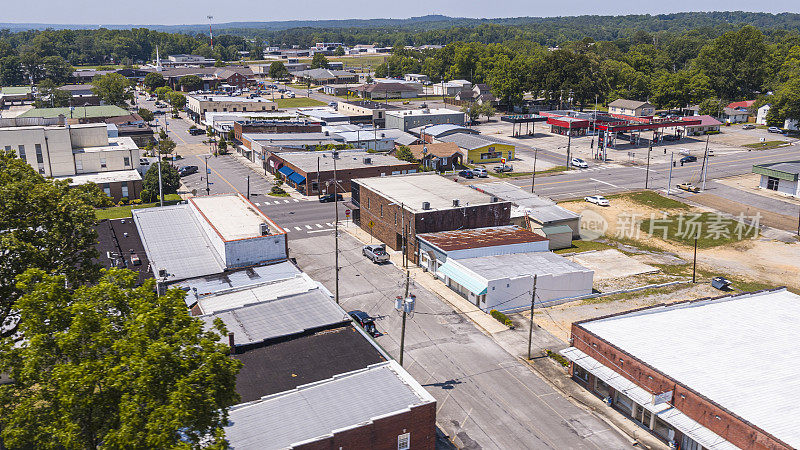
577, 162
598, 200
480, 172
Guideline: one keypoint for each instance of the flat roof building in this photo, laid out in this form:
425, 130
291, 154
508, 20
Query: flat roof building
694, 373
389, 207
411, 118
480, 149
780, 177
199, 105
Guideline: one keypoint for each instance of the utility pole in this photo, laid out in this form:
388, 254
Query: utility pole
208, 189
533, 176
160, 189
798, 223
647, 172
406, 305
530, 331
703, 169
336, 226
694, 261
669, 181
569, 141
319, 187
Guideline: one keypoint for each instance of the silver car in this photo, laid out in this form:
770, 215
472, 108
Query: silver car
376, 253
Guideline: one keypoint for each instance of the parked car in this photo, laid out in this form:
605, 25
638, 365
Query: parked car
187, 170
332, 104
577, 162
598, 200
290, 94
688, 187
466, 174
774, 130
158, 112
670, 137
480, 172
330, 198
503, 168
196, 131
688, 159
135, 260
376, 253
366, 322
721, 283
144, 162
748, 126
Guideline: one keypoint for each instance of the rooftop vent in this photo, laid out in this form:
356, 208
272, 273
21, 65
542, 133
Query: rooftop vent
455, 202
264, 229
495, 199
367, 160
426, 206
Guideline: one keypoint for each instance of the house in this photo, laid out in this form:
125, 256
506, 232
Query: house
198, 105
761, 115
79, 114
780, 177
479, 94
436, 248
431, 133
393, 206
479, 149
691, 372
451, 88
218, 233
325, 76
631, 108
419, 78
741, 105
82, 153
336, 89
541, 215
707, 123
385, 90
439, 156
81, 94
734, 115
411, 118
312, 173
212, 77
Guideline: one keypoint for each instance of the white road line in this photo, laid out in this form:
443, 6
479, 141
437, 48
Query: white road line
308, 227
286, 201
298, 228
258, 204
287, 230
329, 224
296, 200
319, 226
320, 231
605, 182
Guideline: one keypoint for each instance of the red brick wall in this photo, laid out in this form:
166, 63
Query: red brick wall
382, 433
694, 405
344, 176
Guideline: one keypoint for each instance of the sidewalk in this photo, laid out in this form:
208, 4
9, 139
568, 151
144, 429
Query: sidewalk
259, 170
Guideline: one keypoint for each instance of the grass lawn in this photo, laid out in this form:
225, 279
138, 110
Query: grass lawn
121, 212
583, 246
652, 199
297, 102
714, 230
767, 145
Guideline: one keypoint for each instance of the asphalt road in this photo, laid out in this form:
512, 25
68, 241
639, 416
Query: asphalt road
486, 398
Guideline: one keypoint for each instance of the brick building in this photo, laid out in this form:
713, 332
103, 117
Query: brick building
275, 126
422, 203
311, 173
714, 373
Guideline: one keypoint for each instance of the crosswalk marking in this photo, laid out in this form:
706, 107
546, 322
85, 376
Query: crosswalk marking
329, 224
296, 200
319, 226
258, 204
308, 227
298, 228
287, 230
286, 201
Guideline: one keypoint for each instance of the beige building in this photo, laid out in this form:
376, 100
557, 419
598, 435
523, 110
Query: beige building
83, 153
199, 105
631, 108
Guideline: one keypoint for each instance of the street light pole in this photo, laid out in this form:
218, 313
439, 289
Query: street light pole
530, 331
647, 172
669, 181
533, 176
248, 187
336, 227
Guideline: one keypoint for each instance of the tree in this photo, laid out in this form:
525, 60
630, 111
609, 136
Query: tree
11, 72
786, 104
711, 107
57, 69
403, 153
319, 61
47, 225
154, 80
222, 145
112, 365
166, 146
146, 115
163, 92
49, 96
176, 100
472, 110
735, 63
112, 88
170, 180
219, 63
278, 71
486, 109
191, 83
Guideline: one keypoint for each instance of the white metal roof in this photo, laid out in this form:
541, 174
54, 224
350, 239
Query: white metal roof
232, 216
739, 351
103, 177
226, 300
316, 410
412, 190
513, 265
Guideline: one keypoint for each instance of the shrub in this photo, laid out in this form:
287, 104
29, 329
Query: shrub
560, 359
713, 132
277, 191
136, 201
502, 318
145, 196
124, 200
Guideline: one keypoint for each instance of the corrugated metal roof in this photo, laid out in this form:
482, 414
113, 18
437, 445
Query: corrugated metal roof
472, 141
520, 264
480, 237
237, 298
174, 241
465, 278
238, 279
716, 347
315, 410
279, 317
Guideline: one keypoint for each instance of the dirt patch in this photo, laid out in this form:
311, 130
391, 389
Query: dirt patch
611, 264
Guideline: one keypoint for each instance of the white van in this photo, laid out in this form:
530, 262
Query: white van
480, 172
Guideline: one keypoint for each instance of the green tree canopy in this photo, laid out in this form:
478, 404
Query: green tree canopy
278, 71
154, 80
176, 100
49, 96
191, 83
112, 88
403, 153
111, 365
146, 114
735, 63
47, 225
319, 61
170, 180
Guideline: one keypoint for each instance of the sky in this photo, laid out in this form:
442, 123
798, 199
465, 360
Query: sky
171, 12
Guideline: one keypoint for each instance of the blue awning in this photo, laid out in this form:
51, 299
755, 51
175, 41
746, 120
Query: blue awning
468, 281
296, 178
286, 170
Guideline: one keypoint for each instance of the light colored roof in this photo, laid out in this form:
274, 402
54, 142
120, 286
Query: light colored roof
302, 138
77, 112
271, 290
389, 86
515, 265
103, 177
237, 279
412, 190
15, 90
716, 347
233, 217
114, 143
279, 317
314, 411
226, 98
541, 209
424, 112
173, 240
348, 159
789, 167
439, 129
324, 74
628, 104
472, 141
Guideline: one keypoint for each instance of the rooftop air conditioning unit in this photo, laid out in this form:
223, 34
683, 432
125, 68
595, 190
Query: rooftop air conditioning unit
162, 273
495, 199
264, 229
367, 160
426, 206
455, 202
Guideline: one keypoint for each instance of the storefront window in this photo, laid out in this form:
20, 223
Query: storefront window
580, 373
601, 387
662, 429
624, 403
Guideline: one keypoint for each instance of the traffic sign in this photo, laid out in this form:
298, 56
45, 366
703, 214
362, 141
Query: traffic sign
347, 212
502, 160
371, 224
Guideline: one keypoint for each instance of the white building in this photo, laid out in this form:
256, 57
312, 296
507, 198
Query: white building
761, 115
780, 177
82, 152
451, 88
199, 105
